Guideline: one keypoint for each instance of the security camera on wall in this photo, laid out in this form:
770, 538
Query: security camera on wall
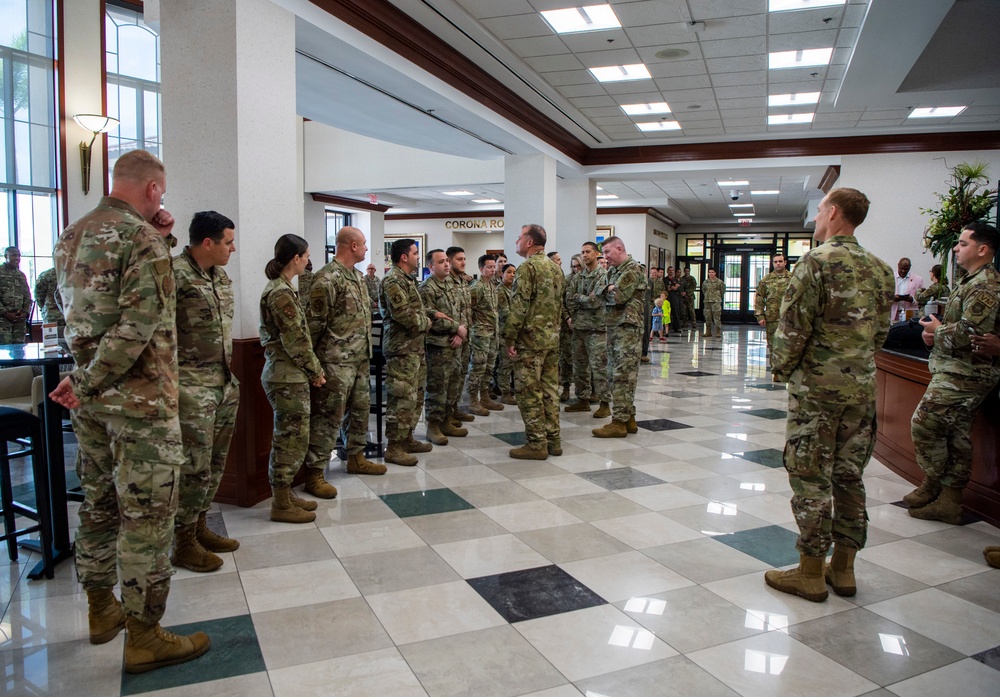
735, 194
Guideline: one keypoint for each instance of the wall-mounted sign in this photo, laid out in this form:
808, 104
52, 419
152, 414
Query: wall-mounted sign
474, 224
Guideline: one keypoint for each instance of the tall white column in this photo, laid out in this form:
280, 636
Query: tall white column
529, 197
82, 78
577, 210
230, 130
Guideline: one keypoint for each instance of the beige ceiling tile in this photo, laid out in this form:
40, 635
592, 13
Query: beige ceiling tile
648, 53
596, 40
881, 114
659, 35
759, 113
800, 41
789, 87
847, 37
850, 117
611, 120
690, 82
592, 89
642, 98
804, 20
750, 77
491, 8
736, 64
677, 68
593, 112
699, 96
734, 47
581, 102
627, 87
813, 75
738, 91
742, 103
537, 46
735, 27
717, 131
548, 64
789, 128
836, 73
840, 56
710, 9
742, 121
518, 26
699, 115
614, 56
967, 117
637, 14
879, 123
570, 77
854, 15
993, 110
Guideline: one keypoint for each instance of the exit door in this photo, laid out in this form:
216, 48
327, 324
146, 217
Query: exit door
742, 271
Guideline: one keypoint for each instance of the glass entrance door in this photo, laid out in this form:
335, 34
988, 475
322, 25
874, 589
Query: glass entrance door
742, 272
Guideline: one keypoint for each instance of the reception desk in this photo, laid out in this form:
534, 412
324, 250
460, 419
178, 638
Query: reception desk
901, 383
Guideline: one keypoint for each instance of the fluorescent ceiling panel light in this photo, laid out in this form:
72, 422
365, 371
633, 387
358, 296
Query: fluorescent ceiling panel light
577, 19
457, 193
784, 5
620, 73
741, 205
765, 192
741, 214
606, 196
642, 109
735, 182
793, 99
782, 119
799, 59
659, 126
935, 112
485, 200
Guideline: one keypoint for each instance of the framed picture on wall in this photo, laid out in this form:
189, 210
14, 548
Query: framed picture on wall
652, 257
602, 233
421, 239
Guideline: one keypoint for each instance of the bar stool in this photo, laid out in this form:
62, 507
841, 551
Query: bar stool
26, 430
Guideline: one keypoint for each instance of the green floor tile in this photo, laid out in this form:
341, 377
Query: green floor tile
772, 544
516, 438
769, 457
414, 503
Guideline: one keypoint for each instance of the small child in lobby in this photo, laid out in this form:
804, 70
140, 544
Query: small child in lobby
666, 317
661, 318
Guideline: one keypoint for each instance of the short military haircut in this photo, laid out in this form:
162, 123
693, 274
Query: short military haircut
551, 254
984, 233
777, 256
138, 167
536, 233
399, 248
8, 250
592, 245
208, 225
485, 258
851, 203
349, 235
452, 251
429, 257
614, 239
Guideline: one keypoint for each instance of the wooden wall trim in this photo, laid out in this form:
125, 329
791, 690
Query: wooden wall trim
830, 177
349, 202
444, 216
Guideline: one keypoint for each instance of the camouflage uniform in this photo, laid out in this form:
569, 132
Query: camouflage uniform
305, 284
834, 317
712, 291
590, 362
14, 296
209, 392
673, 286
532, 327
483, 334
442, 360
289, 366
404, 334
118, 292
942, 423
565, 341
505, 369
48, 298
935, 290
371, 286
463, 308
625, 317
340, 320
689, 286
767, 304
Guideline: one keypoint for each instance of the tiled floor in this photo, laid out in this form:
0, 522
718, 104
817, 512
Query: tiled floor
624, 567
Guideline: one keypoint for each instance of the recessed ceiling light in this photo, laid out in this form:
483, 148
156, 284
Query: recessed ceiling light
793, 99
935, 112
641, 109
765, 192
600, 188
606, 196
741, 214
782, 119
485, 200
659, 126
671, 53
577, 19
458, 193
735, 182
799, 59
783, 5
618, 73
741, 205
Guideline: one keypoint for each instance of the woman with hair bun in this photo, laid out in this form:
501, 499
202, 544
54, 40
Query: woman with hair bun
290, 366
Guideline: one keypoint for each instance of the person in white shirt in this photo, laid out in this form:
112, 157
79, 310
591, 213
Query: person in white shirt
907, 285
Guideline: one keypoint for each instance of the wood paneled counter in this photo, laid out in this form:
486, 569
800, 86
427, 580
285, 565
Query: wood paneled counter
902, 380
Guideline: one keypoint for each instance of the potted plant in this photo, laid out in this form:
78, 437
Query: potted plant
968, 200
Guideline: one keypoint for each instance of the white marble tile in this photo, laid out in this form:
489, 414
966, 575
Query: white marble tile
751, 593
968, 678
489, 555
560, 486
662, 497
946, 619
898, 521
292, 585
621, 576
382, 672
646, 530
675, 471
920, 562
365, 538
430, 612
470, 474
530, 515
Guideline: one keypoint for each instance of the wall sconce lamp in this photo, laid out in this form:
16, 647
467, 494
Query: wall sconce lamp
96, 124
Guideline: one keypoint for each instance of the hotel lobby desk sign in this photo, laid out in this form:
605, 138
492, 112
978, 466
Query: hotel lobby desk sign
474, 225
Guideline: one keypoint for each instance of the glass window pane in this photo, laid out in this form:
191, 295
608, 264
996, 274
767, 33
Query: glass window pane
6, 238
14, 21
22, 153
42, 157
137, 52
797, 248
151, 116
695, 248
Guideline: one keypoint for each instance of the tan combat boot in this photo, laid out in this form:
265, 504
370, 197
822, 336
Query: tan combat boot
149, 646
411, 445
580, 405
211, 540
603, 412
461, 416
397, 455
434, 434
359, 464
554, 448
316, 484
615, 429
487, 401
476, 407
188, 552
644, 359
284, 510
805, 581
104, 615
450, 429
526, 452
631, 426
928, 490
839, 572
947, 507
991, 554
508, 399
564, 397
304, 504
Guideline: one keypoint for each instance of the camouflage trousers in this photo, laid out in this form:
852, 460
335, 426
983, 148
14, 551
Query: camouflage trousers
290, 441
13, 332
463, 355
505, 371
713, 318
483, 356
771, 327
208, 420
405, 376
128, 469
536, 377
565, 356
941, 427
340, 407
624, 344
827, 447
690, 315
590, 364
441, 389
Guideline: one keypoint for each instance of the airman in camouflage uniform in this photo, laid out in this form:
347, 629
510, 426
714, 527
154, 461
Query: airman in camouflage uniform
834, 317
118, 288
565, 337
48, 298
444, 342
305, 283
505, 369
209, 392
15, 299
483, 294
767, 304
625, 320
371, 285
290, 367
404, 334
463, 308
689, 286
339, 318
937, 290
942, 423
590, 363
531, 337
712, 291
